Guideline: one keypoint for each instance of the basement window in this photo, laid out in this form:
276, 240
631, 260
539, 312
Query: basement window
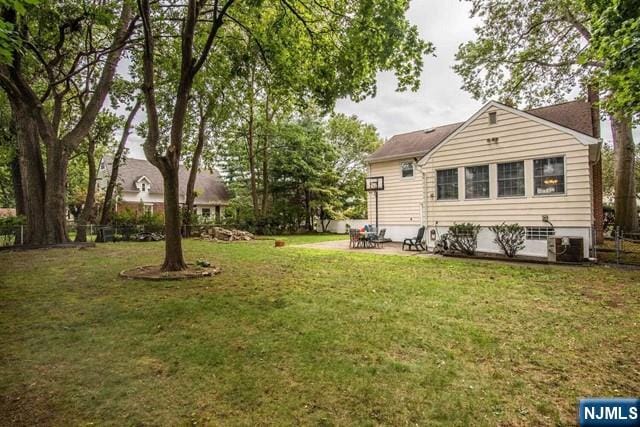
539, 233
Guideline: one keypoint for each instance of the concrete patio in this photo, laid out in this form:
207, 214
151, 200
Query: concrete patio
393, 248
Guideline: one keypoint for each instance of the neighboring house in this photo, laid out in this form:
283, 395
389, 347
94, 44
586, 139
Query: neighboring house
141, 187
501, 165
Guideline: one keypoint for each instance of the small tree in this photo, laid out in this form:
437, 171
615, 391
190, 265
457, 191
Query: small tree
464, 238
510, 238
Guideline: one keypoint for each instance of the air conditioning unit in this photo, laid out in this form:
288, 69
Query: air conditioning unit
565, 249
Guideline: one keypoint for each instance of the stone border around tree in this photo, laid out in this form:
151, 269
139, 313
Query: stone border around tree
153, 272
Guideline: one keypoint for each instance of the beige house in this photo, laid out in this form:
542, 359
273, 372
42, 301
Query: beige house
530, 167
140, 187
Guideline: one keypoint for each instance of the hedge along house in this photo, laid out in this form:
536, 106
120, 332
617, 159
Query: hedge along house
530, 167
140, 188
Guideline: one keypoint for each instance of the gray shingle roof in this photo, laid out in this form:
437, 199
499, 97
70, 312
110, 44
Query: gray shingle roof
209, 186
575, 115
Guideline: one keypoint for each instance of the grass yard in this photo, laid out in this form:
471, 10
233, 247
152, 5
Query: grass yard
299, 336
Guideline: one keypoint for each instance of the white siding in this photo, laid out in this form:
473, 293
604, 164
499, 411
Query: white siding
400, 202
519, 139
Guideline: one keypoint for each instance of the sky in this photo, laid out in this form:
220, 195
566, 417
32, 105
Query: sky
439, 100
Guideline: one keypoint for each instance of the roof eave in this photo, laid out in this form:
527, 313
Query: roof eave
414, 154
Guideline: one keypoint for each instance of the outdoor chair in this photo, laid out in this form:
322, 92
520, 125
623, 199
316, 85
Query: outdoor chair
415, 242
380, 240
354, 238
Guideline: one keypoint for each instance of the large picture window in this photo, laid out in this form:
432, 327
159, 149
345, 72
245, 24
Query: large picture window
511, 179
548, 176
476, 182
447, 183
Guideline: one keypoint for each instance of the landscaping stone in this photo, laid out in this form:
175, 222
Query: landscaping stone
219, 233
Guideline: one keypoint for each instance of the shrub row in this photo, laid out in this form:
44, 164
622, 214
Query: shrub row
463, 238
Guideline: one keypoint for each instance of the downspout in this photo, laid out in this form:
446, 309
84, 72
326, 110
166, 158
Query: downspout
423, 211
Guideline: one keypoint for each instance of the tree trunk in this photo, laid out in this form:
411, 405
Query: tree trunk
107, 208
16, 181
252, 154
307, 203
87, 214
626, 216
55, 194
46, 207
173, 258
593, 97
265, 158
193, 174
31, 174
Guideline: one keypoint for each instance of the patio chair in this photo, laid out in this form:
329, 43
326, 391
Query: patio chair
415, 242
380, 240
354, 238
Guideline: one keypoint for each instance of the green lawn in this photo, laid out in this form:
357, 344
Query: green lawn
290, 336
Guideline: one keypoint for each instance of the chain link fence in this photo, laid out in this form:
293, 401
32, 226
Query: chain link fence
621, 248
16, 235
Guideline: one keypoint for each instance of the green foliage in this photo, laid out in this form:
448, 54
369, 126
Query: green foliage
316, 167
510, 238
8, 152
608, 169
615, 43
9, 40
463, 238
12, 221
102, 134
524, 51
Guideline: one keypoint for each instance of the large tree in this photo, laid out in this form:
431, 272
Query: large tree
534, 52
332, 48
59, 53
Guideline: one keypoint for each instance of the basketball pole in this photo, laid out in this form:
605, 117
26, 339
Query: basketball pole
377, 230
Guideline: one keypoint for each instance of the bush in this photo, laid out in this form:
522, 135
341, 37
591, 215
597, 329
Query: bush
463, 238
510, 238
12, 221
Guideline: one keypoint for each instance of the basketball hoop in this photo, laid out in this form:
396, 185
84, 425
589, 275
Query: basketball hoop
374, 183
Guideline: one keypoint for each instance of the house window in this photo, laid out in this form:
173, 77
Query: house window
493, 118
511, 179
144, 187
148, 209
407, 169
548, 176
217, 213
447, 183
476, 182
206, 212
539, 233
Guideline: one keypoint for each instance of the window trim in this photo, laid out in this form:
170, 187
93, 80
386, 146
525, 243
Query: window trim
413, 169
533, 175
488, 166
457, 199
524, 179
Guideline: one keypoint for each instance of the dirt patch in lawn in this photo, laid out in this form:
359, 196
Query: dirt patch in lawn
154, 272
27, 407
